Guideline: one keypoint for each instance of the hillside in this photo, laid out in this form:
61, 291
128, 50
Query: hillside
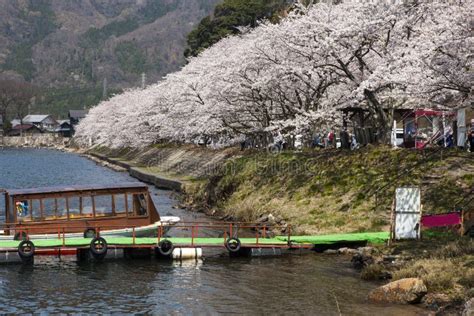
76, 44
316, 191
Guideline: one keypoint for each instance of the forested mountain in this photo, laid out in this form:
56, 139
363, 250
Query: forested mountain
228, 16
72, 46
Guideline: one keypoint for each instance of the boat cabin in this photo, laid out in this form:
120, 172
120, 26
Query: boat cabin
78, 208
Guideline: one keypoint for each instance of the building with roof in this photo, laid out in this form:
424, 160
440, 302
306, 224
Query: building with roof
76, 115
42, 121
24, 130
64, 129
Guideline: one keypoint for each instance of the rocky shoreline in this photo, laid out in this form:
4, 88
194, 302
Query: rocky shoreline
382, 263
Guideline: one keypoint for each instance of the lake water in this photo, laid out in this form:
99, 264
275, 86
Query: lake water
309, 284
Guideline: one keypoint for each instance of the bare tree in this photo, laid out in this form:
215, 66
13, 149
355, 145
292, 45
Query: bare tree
15, 97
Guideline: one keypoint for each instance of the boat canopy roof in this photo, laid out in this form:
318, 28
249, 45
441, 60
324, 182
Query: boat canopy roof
77, 188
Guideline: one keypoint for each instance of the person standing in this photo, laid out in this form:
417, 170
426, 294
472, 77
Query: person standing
331, 139
470, 139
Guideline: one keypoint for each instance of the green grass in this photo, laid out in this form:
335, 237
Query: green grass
333, 191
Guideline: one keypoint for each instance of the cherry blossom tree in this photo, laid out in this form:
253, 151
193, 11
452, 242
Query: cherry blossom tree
295, 76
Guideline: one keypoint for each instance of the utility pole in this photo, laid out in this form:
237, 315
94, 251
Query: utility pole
143, 80
104, 89
33, 102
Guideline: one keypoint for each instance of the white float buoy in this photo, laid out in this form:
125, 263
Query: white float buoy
186, 253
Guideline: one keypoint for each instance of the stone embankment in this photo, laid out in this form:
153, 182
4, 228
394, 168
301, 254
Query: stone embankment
35, 141
165, 167
141, 174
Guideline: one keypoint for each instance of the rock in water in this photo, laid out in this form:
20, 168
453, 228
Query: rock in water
404, 291
360, 261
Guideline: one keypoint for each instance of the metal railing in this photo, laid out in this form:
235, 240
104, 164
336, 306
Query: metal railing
257, 231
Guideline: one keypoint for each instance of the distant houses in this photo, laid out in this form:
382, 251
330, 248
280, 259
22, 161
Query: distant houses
24, 129
45, 123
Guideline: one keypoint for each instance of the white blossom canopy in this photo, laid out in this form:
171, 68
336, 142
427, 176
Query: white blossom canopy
295, 75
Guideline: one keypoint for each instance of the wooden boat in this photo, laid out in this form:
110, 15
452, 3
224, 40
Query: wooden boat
125, 209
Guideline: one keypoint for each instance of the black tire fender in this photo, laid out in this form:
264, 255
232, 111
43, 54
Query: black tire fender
26, 249
165, 247
233, 244
98, 247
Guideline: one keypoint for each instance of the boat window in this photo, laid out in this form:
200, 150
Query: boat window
119, 203
140, 204
87, 206
103, 205
74, 207
35, 209
54, 208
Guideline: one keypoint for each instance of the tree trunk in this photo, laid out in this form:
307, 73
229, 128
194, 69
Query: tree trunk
384, 120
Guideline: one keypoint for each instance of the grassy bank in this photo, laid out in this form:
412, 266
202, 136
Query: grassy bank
333, 191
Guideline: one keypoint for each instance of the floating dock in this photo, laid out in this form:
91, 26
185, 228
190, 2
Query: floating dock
99, 248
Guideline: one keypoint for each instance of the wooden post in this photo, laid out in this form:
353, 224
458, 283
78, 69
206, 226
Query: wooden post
113, 204
147, 204
126, 205
392, 222
55, 207
80, 205
7, 208
289, 235
67, 208
421, 214
15, 213
93, 205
